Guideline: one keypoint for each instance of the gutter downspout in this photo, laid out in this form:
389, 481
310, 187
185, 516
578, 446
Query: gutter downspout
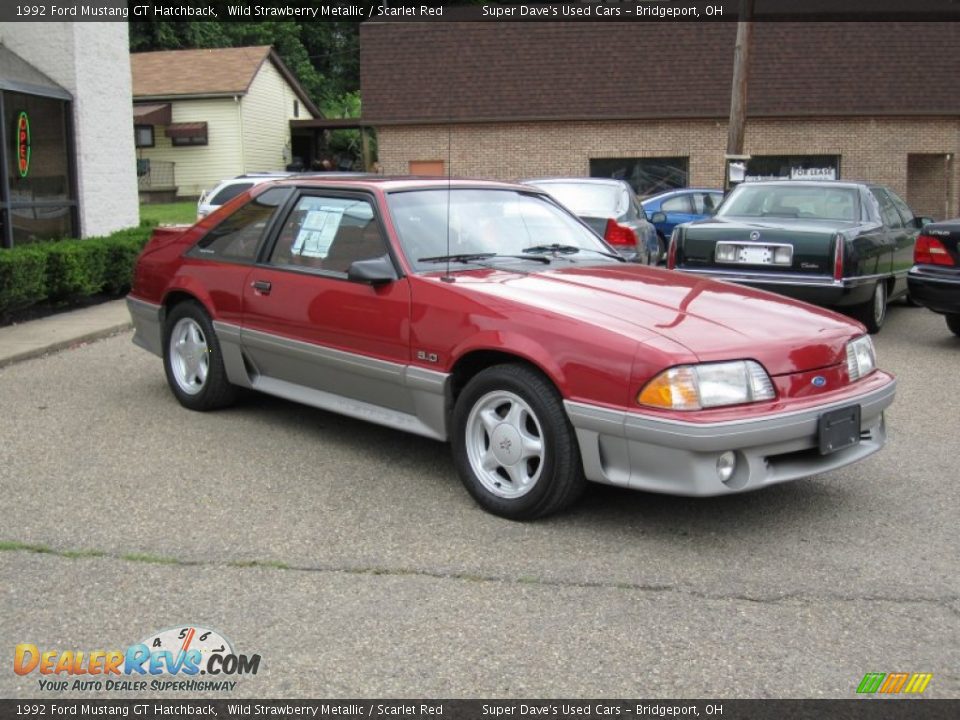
243, 159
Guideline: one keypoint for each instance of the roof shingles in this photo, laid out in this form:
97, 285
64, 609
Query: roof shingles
217, 71
438, 72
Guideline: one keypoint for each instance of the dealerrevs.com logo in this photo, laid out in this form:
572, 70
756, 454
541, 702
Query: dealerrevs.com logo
169, 660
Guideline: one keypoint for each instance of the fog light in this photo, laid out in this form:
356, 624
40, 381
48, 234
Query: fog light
726, 464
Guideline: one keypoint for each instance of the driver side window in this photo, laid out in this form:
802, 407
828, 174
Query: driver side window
328, 234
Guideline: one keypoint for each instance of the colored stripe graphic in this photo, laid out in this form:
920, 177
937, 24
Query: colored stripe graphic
894, 683
918, 682
871, 682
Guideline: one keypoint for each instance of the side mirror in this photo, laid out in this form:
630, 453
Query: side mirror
658, 217
375, 271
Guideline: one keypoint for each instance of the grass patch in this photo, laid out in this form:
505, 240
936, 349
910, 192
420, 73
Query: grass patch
154, 559
178, 213
23, 547
272, 564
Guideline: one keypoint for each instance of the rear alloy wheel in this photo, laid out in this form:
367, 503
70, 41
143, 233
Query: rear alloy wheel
873, 312
192, 360
953, 322
514, 448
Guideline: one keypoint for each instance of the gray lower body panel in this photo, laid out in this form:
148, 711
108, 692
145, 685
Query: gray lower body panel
400, 396
680, 458
147, 325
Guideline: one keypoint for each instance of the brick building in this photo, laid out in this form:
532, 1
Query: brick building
649, 102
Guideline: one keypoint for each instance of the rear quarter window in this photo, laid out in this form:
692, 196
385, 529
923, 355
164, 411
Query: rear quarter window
237, 237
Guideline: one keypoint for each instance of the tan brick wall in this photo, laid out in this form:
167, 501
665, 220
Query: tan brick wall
870, 149
928, 184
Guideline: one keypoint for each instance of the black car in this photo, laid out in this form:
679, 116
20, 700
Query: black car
934, 279
843, 245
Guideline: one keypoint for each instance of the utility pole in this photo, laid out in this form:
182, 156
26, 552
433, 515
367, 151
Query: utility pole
738, 90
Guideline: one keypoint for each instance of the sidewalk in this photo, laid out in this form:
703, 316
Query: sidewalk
39, 337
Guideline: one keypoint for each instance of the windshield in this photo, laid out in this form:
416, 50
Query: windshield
587, 199
791, 201
503, 222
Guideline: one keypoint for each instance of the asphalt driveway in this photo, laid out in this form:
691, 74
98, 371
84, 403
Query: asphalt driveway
349, 557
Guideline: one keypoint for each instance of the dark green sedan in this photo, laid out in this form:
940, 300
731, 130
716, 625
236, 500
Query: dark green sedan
843, 245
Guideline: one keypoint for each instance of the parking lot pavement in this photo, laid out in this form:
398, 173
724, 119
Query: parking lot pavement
351, 559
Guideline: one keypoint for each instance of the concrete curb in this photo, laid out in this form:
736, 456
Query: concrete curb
62, 331
64, 344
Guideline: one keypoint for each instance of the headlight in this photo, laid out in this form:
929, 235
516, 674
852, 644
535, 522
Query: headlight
692, 387
861, 358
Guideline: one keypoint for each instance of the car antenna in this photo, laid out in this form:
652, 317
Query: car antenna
448, 277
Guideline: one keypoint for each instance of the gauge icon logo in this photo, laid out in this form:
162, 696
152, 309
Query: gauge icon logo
185, 638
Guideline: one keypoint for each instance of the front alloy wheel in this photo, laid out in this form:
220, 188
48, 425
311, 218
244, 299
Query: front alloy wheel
513, 444
505, 444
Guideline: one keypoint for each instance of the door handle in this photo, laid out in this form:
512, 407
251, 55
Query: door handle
261, 285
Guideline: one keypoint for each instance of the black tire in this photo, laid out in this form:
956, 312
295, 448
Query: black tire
873, 313
953, 322
214, 391
662, 244
558, 468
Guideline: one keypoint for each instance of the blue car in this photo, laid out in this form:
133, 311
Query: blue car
680, 206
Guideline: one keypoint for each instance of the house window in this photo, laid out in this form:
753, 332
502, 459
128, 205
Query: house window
143, 135
296, 108
187, 133
647, 176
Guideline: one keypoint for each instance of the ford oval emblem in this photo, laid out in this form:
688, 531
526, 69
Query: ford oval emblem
819, 381
755, 235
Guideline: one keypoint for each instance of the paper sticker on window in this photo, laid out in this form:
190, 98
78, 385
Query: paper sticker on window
317, 232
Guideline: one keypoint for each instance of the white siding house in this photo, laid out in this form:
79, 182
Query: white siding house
205, 115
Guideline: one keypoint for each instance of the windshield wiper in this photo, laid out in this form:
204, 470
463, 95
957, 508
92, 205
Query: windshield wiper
474, 257
567, 250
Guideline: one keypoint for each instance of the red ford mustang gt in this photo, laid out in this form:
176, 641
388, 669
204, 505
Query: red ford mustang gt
485, 314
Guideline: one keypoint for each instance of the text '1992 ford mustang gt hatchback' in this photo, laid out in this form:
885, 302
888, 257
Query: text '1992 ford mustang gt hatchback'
487, 315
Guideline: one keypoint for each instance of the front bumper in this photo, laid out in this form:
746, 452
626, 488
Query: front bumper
938, 291
680, 458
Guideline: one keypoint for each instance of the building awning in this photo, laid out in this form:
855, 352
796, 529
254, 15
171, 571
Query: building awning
152, 114
186, 130
17, 75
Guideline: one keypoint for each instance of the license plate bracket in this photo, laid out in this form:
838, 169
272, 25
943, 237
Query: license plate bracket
839, 429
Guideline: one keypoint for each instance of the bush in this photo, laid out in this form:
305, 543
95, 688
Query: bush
23, 278
65, 270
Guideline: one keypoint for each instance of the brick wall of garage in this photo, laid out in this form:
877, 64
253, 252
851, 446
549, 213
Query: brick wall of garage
874, 149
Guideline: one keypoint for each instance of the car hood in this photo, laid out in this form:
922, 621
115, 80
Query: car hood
712, 320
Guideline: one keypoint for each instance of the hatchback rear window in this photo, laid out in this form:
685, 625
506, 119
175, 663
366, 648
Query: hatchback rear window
588, 199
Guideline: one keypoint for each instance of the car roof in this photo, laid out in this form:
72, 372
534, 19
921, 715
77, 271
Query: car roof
393, 183
577, 180
817, 183
680, 191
